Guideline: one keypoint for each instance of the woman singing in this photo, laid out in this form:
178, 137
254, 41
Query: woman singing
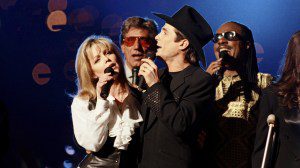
104, 127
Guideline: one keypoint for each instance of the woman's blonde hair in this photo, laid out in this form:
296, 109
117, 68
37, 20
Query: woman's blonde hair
86, 83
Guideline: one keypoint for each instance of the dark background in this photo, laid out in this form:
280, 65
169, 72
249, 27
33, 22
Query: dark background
35, 95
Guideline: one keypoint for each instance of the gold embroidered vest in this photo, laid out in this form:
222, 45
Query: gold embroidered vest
239, 108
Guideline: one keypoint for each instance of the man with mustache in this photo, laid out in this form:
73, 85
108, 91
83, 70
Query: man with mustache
179, 96
238, 88
137, 38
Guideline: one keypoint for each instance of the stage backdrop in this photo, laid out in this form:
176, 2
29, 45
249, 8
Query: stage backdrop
39, 39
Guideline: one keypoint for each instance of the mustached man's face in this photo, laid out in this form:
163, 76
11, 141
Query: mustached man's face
133, 54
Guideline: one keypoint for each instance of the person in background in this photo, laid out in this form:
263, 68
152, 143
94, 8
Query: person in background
136, 39
283, 100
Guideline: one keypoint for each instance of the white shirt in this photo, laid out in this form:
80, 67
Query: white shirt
128, 73
91, 128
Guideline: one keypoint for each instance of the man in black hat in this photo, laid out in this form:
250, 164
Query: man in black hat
178, 98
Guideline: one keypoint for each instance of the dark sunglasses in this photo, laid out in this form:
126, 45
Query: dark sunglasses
144, 41
230, 36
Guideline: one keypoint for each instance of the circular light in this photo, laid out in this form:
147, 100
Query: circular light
41, 73
56, 19
54, 5
67, 164
113, 24
69, 150
83, 17
94, 11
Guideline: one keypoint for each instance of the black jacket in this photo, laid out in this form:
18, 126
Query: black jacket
286, 150
173, 111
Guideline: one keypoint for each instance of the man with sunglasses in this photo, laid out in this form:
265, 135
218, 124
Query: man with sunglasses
136, 39
179, 96
238, 86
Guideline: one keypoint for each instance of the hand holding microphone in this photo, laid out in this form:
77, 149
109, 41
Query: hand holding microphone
105, 82
217, 67
214, 66
148, 71
135, 77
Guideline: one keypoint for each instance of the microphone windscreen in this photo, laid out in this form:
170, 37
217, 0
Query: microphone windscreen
151, 55
105, 89
223, 54
135, 78
109, 70
136, 69
271, 119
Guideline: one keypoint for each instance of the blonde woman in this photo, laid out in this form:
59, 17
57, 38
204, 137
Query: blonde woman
104, 127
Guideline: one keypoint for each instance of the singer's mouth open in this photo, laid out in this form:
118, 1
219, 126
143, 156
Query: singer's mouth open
224, 49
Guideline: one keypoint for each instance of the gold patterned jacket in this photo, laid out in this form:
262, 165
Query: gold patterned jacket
238, 107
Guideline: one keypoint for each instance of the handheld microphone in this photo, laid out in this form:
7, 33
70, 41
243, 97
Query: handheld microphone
150, 55
220, 72
105, 89
135, 77
271, 119
271, 124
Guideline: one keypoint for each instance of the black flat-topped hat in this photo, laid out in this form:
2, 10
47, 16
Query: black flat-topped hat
196, 29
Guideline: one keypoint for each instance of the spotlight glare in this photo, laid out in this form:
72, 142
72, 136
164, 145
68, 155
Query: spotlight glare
67, 164
69, 150
41, 73
56, 19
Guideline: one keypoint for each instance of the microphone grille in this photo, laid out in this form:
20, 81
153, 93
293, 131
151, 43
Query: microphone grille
271, 119
151, 55
135, 69
109, 70
223, 54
